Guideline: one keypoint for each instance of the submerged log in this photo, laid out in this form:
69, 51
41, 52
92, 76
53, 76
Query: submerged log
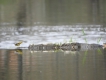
64, 47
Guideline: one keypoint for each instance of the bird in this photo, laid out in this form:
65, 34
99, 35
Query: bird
18, 43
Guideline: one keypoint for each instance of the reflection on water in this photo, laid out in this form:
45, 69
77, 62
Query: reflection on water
10, 65
52, 65
52, 21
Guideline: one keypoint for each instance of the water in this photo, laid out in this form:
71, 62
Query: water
51, 34
56, 21
60, 65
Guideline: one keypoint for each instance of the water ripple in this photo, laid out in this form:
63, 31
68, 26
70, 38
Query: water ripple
51, 34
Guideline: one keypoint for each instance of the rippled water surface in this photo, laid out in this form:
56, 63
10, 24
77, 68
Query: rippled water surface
51, 34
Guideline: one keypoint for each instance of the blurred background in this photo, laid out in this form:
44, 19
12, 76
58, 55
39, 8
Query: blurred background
52, 21
46, 21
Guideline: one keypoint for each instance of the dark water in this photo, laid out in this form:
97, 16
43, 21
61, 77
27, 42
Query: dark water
52, 21
54, 12
61, 65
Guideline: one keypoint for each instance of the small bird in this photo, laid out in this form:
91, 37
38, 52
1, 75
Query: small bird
18, 44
